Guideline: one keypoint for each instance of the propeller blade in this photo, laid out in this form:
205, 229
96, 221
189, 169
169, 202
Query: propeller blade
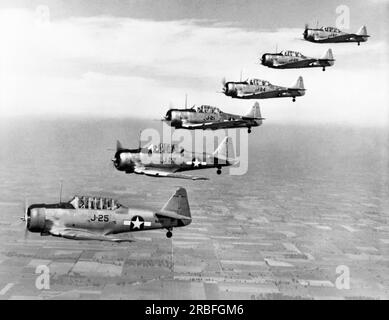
25, 219
224, 81
118, 145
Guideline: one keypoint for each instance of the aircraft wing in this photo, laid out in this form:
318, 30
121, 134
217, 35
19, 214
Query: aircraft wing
157, 172
80, 234
299, 64
241, 94
339, 38
216, 125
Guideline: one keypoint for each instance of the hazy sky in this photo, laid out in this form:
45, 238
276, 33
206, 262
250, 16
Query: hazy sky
137, 58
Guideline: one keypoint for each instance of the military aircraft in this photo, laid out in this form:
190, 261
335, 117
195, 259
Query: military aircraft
208, 117
169, 160
288, 59
334, 35
262, 89
91, 218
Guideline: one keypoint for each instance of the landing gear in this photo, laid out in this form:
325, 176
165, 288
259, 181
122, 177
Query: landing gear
358, 43
219, 171
324, 68
294, 99
169, 233
249, 130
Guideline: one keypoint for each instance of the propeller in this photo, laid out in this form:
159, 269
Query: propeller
119, 146
25, 219
224, 82
305, 33
263, 58
114, 160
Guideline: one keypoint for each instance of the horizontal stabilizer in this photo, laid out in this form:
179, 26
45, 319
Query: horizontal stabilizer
172, 215
119, 146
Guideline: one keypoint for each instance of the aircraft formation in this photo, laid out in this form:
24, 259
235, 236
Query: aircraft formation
96, 218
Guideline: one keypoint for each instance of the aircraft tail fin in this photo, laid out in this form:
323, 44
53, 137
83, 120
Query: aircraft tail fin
328, 55
225, 150
362, 31
255, 113
299, 84
177, 206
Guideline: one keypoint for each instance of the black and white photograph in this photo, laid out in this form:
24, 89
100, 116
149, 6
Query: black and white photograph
194, 150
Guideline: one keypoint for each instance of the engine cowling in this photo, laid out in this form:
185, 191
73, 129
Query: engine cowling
123, 161
36, 219
177, 123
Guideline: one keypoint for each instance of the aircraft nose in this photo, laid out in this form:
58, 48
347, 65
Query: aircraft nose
116, 160
35, 219
168, 116
227, 88
263, 59
176, 122
123, 161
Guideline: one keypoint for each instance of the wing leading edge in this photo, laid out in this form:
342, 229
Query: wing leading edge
79, 234
165, 173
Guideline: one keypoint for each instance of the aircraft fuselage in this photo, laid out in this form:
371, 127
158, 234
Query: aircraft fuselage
332, 36
41, 219
178, 161
279, 61
241, 90
176, 118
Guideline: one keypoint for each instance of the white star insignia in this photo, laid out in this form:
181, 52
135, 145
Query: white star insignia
196, 163
137, 223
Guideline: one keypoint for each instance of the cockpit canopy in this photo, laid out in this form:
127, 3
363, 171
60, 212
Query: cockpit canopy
290, 53
207, 109
258, 82
164, 148
331, 29
98, 203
